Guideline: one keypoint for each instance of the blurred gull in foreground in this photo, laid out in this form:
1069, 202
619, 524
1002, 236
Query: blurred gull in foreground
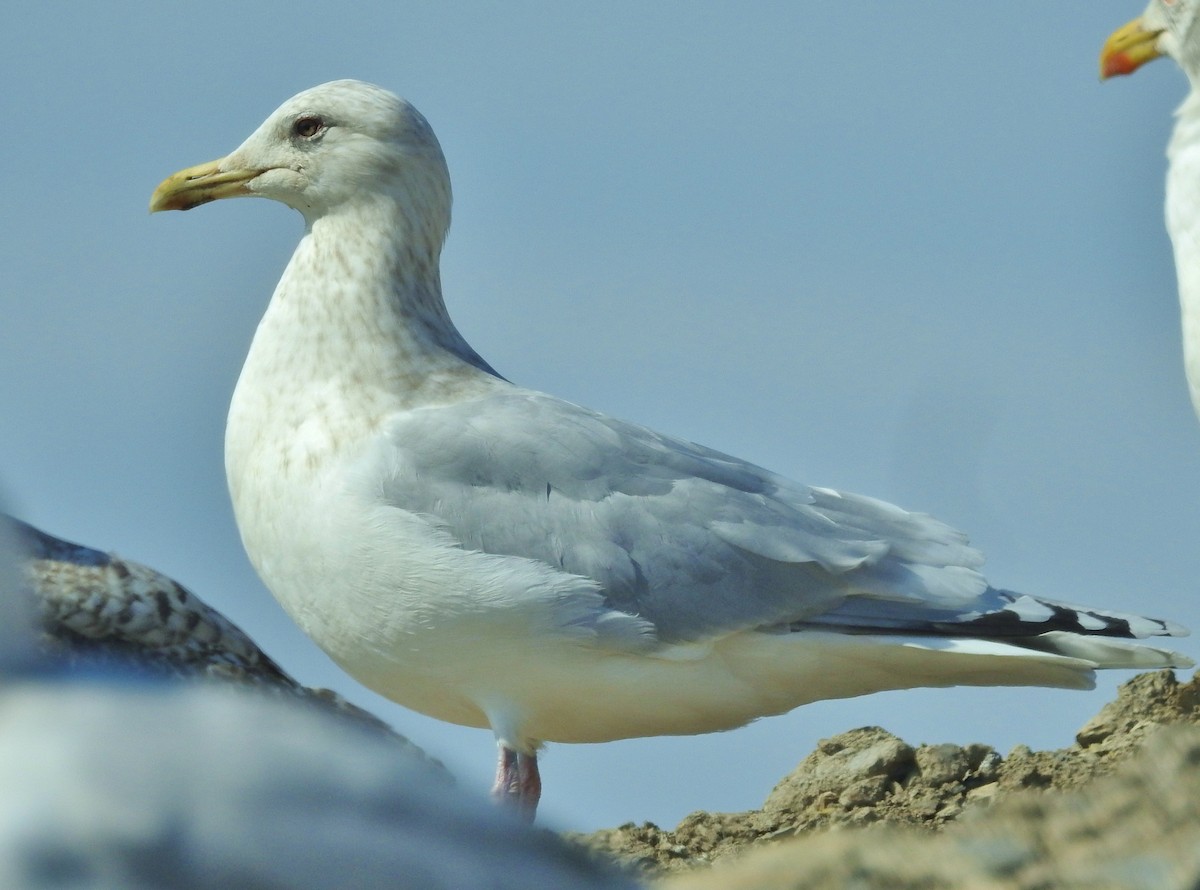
114, 780
98, 607
496, 557
98, 610
180, 785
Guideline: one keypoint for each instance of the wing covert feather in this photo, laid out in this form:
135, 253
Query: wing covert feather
696, 541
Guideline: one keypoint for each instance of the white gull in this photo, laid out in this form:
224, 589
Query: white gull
496, 557
1169, 28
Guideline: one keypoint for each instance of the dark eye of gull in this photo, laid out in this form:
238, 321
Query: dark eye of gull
308, 126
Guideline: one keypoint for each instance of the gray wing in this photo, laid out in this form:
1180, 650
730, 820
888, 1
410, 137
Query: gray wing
695, 541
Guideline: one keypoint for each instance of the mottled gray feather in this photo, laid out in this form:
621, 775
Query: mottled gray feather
96, 609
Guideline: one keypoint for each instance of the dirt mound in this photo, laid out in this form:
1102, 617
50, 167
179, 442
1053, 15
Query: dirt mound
1137, 828
869, 777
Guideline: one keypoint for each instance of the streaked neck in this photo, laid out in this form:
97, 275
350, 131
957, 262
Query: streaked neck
361, 298
355, 331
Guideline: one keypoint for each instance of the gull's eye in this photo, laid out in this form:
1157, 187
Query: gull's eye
307, 126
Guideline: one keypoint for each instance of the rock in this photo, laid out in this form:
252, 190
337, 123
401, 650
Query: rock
1138, 828
869, 777
1145, 703
857, 768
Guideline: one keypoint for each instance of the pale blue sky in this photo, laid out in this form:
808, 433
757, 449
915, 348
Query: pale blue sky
911, 250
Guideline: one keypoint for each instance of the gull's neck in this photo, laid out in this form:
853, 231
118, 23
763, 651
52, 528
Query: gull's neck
355, 331
1183, 224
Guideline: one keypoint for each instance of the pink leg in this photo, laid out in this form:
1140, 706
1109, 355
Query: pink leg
518, 782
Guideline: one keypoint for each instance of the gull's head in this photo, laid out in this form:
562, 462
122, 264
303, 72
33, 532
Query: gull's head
334, 147
1166, 28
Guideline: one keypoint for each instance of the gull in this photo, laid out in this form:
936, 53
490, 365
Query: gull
99, 608
1168, 28
183, 786
91, 609
496, 557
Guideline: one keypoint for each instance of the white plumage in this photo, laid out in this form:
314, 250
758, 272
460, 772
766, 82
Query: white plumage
1168, 28
497, 557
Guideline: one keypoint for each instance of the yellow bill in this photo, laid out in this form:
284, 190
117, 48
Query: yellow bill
1128, 48
200, 184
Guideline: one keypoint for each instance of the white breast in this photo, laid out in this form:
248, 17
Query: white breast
1183, 224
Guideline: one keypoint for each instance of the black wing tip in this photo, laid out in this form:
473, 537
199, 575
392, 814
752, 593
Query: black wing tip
1012, 619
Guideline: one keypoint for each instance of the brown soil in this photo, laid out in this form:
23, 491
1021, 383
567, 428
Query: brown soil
869, 777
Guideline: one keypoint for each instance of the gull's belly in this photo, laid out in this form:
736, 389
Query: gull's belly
399, 605
460, 635
369, 604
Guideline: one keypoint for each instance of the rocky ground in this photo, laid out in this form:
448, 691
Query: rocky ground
1119, 808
